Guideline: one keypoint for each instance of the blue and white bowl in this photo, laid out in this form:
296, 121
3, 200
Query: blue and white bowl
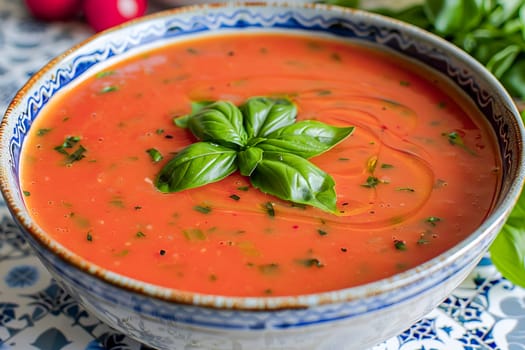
353, 318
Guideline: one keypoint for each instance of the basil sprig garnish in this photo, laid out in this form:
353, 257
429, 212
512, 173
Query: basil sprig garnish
260, 139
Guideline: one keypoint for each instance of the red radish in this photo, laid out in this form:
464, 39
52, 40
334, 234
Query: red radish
102, 14
53, 10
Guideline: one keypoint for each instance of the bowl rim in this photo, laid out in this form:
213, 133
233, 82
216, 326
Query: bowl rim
266, 303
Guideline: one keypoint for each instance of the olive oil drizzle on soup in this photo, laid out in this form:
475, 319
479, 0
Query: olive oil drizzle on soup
417, 175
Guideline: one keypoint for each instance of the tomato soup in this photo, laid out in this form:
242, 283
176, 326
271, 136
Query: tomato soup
417, 175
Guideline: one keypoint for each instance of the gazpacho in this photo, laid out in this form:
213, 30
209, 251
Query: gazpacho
410, 168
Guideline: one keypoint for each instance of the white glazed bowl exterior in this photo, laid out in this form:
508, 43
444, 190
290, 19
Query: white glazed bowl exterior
353, 318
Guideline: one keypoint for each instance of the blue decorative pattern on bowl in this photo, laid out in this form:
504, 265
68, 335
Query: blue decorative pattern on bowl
351, 318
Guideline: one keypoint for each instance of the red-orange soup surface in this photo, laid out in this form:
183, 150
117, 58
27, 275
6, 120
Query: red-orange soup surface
418, 174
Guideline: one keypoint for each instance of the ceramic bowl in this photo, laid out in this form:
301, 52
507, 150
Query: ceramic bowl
353, 318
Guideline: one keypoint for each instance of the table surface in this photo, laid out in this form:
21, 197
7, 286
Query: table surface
484, 312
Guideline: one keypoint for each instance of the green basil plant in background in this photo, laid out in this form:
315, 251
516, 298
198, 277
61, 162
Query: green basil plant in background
262, 140
493, 32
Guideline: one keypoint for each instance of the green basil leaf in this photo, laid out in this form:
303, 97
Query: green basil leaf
307, 138
196, 106
198, 164
503, 60
521, 20
514, 78
220, 122
452, 16
182, 121
508, 249
515, 25
255, 141
503, 11
248, 160
263, 115
294, 178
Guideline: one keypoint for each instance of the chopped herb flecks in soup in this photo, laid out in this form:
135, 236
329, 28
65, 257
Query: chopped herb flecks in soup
380, 167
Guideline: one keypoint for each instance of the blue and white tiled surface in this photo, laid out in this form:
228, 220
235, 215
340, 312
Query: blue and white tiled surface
485, 312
